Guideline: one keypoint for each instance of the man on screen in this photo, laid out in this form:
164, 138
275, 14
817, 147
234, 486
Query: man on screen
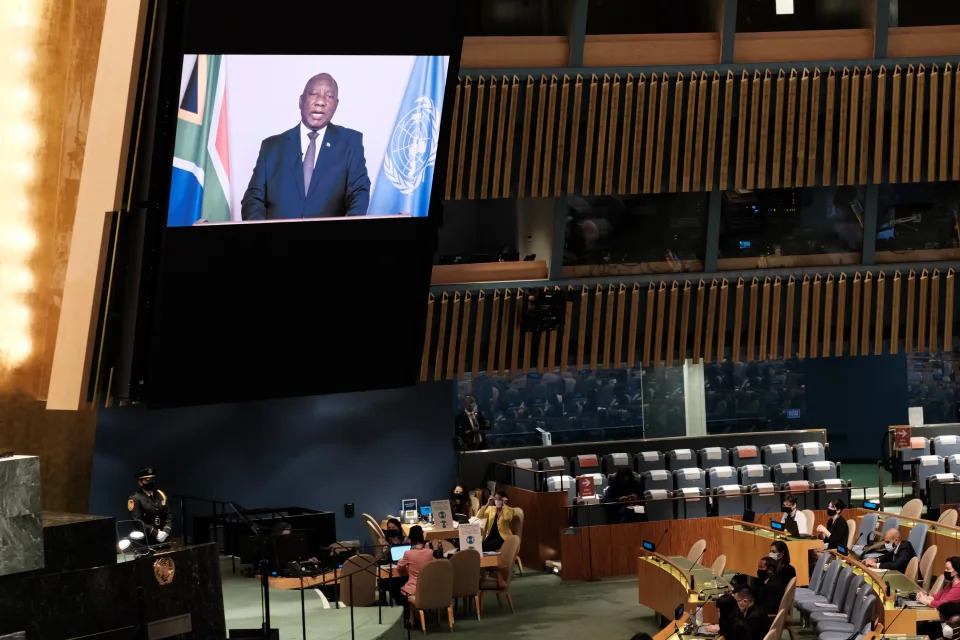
315, 170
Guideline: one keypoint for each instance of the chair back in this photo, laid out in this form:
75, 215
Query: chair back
719, 565
696, 551
516, 524
508, 555
466, 573
435, 585
937, 584
913, 567
475, 501
375, 533
890, 523
851, 531
829, 581
948, 518
867, 611
867, 526
369, 518
926, 566
840, 591
358, 581
811, 519
817, 577
850, 597
918, 538
776, 627
912, 509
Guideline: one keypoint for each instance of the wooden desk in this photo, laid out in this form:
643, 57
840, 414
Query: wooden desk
663, 582
429, 533
745, 548
332, 577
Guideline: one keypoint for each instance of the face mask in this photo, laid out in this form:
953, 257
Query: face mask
948, 576
775, 555
148, 486
498, 503
761, 575
947, 630
888, 546
831, 513
787, 509
473, 406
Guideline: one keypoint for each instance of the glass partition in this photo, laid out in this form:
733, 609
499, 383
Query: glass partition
918, 222
752, 396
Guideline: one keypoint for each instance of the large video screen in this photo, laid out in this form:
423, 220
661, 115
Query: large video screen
283, 137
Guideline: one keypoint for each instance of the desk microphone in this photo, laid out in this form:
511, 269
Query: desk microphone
882, 575
695, 563
902, 609
665, 532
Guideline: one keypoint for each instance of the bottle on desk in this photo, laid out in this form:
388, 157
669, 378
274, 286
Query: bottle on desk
898, 599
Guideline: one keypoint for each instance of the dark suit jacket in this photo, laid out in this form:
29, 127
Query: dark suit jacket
340, 185
757, 621
771, 593
898, 558
839, 532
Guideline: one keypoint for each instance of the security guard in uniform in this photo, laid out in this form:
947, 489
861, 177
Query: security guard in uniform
149, 506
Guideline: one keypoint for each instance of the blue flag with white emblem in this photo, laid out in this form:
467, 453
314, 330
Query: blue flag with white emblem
406, 176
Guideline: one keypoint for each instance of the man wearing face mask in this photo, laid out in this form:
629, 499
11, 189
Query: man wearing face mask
755, 618
471, 426
792, 514
149, 506
771, 585
896, 554
949, 621
498, 515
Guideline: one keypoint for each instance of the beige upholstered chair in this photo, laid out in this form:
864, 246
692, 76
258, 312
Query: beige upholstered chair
475, 501
852, 531
445, 546
913, 509
811, 520
466, 577
719, 565
786, 607
434, 592
937, 584
358, 581
499, 582
926, 566
696, 551
948, 517
776, 627
516, 527
913, 567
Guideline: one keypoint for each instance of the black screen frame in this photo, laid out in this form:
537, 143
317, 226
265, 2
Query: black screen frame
384, 257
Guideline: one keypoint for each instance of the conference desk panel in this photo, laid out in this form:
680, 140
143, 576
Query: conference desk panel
662, 586
745, 548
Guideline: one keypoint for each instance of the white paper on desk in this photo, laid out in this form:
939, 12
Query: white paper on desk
915, 416
442, 516
638, 509
471, 535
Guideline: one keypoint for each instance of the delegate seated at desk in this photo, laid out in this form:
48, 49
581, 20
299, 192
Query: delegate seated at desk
498, 515
836, 531
771, 585
949, 621
756, 619
951, 587
792, 514
623, 488
732, 625
896, 555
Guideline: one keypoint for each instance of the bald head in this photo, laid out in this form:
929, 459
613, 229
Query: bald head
319, 101
892, 536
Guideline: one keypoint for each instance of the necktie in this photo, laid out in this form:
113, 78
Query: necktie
309, 159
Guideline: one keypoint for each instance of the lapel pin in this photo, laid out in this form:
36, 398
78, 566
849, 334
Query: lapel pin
328, 144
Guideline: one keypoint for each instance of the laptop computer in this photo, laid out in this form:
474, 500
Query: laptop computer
396, 553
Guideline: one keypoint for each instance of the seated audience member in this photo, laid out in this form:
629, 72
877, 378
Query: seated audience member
732, 625
498, 515
757, 621
781, 554
623, 488
770, 585
836, 531
951, 586
460, 502
411, 564
897, 554
393, 534
792, 514
949, 621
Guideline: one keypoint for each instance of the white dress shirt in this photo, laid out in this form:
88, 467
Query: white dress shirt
305, 141
803, 527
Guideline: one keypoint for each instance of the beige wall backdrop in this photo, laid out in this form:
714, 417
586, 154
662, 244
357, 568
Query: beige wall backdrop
64, 67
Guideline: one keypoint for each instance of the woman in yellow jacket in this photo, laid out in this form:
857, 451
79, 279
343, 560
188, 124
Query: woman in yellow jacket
498, 516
